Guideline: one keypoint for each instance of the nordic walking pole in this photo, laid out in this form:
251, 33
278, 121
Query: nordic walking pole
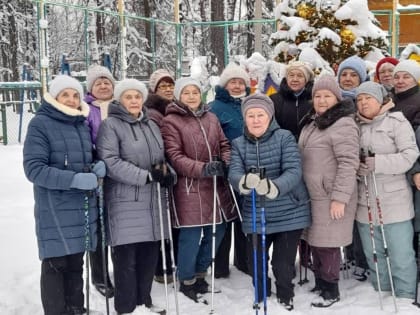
162, 241
103, 236
417, 298
263, 245
87, 242
381, 223
213, 238
371, 228
171, 242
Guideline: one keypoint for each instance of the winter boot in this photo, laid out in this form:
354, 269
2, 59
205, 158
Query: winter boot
329, 295
201, 286
189, 289
360, 274
286, 303
317, 289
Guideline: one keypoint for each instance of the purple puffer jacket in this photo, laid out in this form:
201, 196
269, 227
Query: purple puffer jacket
94, 118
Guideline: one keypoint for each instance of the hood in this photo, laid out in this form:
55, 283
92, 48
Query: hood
52, 108
179, 108
118, 111
223, 95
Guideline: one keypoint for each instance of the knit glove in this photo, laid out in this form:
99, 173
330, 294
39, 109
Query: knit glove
214, 168
99, 169
267, 188
367, 166
84, 181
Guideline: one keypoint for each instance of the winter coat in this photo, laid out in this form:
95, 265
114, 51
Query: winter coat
390, 137
130, 147
191, 140
408, 102
57, 146
156, 107
95, 115
414, 170
329, 145
276, 151
228, 111
289, 108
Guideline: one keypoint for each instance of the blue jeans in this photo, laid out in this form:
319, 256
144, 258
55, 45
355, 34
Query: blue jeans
195, 249
399, 238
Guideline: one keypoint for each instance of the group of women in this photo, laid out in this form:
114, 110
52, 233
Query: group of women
313, 178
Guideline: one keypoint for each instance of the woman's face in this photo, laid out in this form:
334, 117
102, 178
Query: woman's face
296, 80
102, 89
323, 100
403, 81
349, 79
257, 121
165, 89
191, 96
236, 87
385, 74
367, 105
69, 97
132, 100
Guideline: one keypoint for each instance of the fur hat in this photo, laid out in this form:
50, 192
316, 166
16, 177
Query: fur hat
129, 84
181, 83
94, 73
304, 67
327, 82
374, 89
258, 100
61, 82
158, 76
390, 60
354, 63
410, 66
233, 71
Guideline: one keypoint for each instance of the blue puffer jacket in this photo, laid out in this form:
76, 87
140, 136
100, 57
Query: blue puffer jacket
228, 111
58, 146
277, 152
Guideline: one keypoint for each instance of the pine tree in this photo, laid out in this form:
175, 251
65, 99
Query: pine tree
335, 29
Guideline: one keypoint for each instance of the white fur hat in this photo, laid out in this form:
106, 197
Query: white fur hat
183, 82
61, 82
233, 71
129, 84
95, 72
410, 66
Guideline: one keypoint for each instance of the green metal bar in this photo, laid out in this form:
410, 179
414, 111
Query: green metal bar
86, 25
4, 123
226, 46
153, 43
178, 51
397, 32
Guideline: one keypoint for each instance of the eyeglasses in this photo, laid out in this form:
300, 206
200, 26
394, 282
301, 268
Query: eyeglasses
163, 87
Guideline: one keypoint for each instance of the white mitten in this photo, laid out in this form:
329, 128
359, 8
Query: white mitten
267, 188
251, 180
242, 189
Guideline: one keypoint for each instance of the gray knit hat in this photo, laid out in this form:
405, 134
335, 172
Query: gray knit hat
410, 66
181, 83
374, 89
327, 82
62, 82
129, 84
258, 100
233, 71
158, 76
94, 73
304, 67
354, 63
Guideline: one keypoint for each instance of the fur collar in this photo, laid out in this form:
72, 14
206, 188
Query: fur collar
83, 111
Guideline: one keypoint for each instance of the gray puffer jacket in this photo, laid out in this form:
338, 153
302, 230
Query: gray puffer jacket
129, 147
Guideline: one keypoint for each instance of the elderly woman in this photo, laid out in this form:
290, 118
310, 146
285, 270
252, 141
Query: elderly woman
329, 144
132, 149
384, 73
389, 143
57, 157
265, 146
198, 151
351, 73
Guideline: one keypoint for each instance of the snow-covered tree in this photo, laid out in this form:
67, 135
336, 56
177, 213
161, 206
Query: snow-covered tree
332, 29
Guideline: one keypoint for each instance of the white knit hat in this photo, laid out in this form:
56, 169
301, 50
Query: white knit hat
129, 84
61, 82
233, 71
181, 83
410, 66
94, 73
158, 76
304, 67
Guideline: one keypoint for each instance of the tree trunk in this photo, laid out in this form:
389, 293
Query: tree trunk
216, 37
250, 32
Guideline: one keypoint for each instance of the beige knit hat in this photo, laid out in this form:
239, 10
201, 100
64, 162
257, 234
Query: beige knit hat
129, 84
327, 82
94, 73
158, 76
304, 67
233, 71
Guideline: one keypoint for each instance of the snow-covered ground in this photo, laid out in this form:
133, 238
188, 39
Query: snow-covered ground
20, 268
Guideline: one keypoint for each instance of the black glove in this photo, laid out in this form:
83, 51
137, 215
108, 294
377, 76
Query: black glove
168, 180
214, 168
156, 175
